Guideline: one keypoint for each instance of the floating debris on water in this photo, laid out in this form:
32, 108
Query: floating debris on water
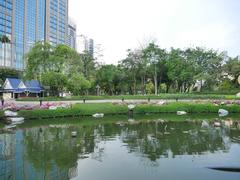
167, 133
74, 133
98, 115
204, 124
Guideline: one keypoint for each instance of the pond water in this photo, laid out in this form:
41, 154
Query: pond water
112, 150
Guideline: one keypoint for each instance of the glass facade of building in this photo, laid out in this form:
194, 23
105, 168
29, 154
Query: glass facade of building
41, 20
72, 34
6, 13
19, 33
58, 26
28, 21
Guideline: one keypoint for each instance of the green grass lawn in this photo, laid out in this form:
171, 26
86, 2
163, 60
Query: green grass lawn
111, 109
131, 97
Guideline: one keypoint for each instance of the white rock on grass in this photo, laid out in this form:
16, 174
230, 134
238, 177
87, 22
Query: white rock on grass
161, 102
98, 115
52, 107
131, 106
222, 112
10, 113
181, 113
238, 94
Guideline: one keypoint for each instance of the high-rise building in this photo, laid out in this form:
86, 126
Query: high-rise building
91, 47
72, 34
25, 22
6, 21
84, 44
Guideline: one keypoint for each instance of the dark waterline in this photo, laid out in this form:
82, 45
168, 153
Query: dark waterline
106, 150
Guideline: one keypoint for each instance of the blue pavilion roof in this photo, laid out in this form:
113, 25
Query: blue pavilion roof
14, 82
32, 86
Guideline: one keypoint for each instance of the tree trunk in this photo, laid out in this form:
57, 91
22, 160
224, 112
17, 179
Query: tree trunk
155, 85
4, 54
201, 86
160, 82
155, 81
167, 88
142, 85
134, 86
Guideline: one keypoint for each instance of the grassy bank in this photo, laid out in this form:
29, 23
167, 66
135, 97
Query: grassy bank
90, 121
110, 109
131, 97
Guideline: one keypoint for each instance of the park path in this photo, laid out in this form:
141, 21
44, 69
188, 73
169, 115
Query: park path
107, 101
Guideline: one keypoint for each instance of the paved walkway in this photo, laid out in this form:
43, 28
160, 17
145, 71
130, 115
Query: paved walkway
106, 101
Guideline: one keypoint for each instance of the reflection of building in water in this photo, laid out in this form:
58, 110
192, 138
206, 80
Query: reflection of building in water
7, 156
72, 172
19, 162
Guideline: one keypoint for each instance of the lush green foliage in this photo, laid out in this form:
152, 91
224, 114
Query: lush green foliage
149, 87
56, 81
78, 83
111, 109
177, 70
76, 110
109, 77
170, 71
8, 73
1, 114
59, 67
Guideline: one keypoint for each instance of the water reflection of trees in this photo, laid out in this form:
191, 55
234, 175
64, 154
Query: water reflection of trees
184, 138
53, 149
149, 139
48, 148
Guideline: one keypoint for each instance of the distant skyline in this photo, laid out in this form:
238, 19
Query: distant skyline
125, 24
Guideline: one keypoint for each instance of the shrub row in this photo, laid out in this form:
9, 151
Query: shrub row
110, 109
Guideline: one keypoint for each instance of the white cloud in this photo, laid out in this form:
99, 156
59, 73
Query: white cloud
121, 24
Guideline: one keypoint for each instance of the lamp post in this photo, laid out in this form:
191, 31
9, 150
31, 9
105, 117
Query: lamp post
98, 90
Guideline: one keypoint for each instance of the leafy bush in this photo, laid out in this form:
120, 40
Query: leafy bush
111, 109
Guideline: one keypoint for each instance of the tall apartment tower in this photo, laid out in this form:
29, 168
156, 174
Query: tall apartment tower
91, 47
85, 44
25, 22
72, 28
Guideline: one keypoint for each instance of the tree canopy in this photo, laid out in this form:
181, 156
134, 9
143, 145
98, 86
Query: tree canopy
174, 70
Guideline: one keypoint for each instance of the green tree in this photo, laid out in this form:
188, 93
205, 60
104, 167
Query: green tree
88, 64
56, 81
67, 60
8, 73
130, 66
44, 58
232, 68
156, 59
149, 87
78, 84
108, 77
39, 61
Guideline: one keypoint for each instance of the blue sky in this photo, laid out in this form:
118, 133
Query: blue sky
122, 24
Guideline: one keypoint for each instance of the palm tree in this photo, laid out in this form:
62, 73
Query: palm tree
4, 40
